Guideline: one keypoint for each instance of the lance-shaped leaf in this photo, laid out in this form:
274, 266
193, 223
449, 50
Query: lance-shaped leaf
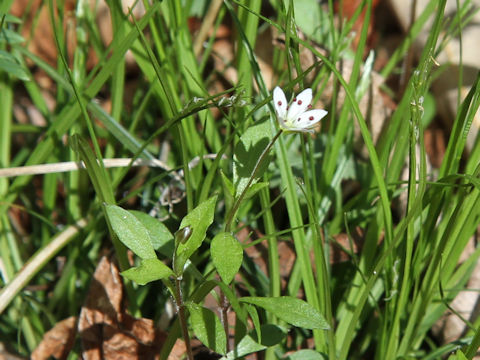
292, 310
130, 231
148, 271
160, 237
198, 220
227, 255
247, 152
208, 328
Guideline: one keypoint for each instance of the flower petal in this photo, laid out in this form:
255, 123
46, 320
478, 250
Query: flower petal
281, 103
300, 104
309, 119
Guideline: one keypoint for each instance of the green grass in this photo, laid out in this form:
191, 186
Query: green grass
381, 304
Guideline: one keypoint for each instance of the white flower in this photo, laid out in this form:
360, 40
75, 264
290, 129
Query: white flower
297, 117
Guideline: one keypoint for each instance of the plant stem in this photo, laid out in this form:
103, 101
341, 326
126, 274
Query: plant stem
182, 318
236, 205
223, 315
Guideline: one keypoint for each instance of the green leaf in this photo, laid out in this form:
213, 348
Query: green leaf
306, 354
130, 231
252, 190
199, 219
148, 271
208, 328
11, 37
292, 310
308, 16
246, 346
98, 176
247, 152
160, 237
459, 355
252, 311
271, 335
9, 18
9, 64
227, 256
228, 190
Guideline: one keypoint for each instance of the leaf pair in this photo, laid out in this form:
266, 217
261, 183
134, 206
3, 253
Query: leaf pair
143, 235
133, 233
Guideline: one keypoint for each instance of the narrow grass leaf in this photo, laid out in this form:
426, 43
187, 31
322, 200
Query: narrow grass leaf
130, 231
100, 182
292, 310
227, 256
148, 271
9, 64
208, 328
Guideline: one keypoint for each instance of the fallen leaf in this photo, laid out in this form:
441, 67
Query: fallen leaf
106, 330
58, 341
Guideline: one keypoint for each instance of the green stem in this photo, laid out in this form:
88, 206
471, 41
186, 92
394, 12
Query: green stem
236, 205
224, 316
182, 318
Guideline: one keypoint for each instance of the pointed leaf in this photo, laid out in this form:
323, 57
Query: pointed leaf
10, 65
160, 237
148, 271
246, 346
199, 219
227, 256
247, 152
306, 354
208, 328
130, 231
270, 334
292, 310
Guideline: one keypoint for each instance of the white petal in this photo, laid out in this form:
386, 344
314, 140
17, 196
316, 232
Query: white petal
281, 103
300, 104
309, 119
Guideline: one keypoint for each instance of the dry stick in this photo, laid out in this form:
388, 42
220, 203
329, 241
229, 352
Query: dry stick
407, 64
36, 262
207, 24
108, 163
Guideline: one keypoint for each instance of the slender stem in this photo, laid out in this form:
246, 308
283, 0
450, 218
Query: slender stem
231, 216
239, 200
182, 318
223, 316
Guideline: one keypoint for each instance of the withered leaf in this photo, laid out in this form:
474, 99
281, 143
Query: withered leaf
58, 341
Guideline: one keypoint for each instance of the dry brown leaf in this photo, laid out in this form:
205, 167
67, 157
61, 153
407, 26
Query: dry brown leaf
178, 350
58, 341
349, 7
104, 301
106, 330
